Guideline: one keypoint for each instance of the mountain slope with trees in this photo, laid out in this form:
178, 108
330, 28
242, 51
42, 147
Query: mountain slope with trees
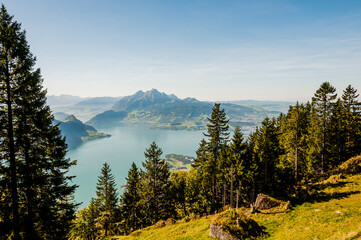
76, 132
286, 157
156, 108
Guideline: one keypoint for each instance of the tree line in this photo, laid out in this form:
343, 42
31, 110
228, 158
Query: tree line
280, 156
36, 193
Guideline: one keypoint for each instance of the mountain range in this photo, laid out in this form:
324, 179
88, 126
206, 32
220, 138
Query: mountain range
168, 111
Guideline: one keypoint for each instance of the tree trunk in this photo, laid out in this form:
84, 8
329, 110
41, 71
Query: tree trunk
13, 177
213, 194
224, 193
231, 193
296, 164
237, 198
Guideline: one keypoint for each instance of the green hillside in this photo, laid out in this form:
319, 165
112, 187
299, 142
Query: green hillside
169, 112
333, 211
76, 132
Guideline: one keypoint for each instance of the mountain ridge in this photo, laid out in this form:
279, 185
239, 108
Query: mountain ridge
156, 107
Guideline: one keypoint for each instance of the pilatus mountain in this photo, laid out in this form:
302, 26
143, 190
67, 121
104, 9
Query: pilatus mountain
168, 111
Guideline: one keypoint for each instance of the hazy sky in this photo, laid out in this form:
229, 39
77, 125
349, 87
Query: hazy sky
211, 50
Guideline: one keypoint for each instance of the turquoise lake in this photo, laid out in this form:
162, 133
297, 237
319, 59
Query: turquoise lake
126, 145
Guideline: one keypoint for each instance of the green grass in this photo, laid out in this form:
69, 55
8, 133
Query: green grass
194, 229
319, 219
315, 219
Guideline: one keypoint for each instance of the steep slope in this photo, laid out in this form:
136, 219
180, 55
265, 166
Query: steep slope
76, 132
333, 212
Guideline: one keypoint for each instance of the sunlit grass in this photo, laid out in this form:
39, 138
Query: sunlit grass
334, 212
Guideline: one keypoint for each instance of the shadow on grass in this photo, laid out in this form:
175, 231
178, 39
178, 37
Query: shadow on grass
325, 197
321, 187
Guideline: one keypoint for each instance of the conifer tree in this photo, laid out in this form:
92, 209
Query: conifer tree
338, 134
352, 121
217, 133
252, 177
293, 139
34, 167
238, 170
86, 226
130, 200
178, 182
269, 150
322, 102
107, 198
204, 165
155, 185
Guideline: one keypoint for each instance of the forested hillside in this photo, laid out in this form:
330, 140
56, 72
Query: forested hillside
281, 158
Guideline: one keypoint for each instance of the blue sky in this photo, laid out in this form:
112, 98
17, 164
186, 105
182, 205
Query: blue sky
211, 50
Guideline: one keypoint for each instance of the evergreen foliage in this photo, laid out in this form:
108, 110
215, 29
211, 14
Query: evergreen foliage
37, 197
130, 201
322, 104
107, 198
155, 185
279, 158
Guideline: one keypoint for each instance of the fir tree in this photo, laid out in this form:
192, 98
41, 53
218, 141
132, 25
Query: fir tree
107, 198
293, 139
130, 201
238, 170
217, 133
269, 150
322, 102
155, 185
352, 121
34, 169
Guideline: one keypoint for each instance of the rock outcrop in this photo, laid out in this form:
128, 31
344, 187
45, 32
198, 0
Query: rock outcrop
264, 202
219, 233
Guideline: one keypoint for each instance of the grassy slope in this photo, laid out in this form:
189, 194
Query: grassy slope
317, 219
194, 229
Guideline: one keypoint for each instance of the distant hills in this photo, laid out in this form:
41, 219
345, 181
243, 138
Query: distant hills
83, 108
169, 111
161, 110
76, 132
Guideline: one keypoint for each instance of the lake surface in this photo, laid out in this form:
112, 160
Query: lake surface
126, 145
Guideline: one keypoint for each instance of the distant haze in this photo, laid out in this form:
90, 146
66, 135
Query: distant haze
211, 50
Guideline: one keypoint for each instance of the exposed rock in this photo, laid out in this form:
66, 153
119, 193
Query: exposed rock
264, 202
160, 223
217, 232
170, 221
353, 165
287, 205
317, 210
233, 224
338, 212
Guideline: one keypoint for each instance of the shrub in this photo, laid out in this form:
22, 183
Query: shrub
237, 224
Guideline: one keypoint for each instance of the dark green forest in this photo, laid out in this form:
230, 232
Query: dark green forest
36, 193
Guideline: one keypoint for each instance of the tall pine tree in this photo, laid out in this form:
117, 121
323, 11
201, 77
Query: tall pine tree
33, 168
217, 133
107, 198
155, 185
130, 201
322, 103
